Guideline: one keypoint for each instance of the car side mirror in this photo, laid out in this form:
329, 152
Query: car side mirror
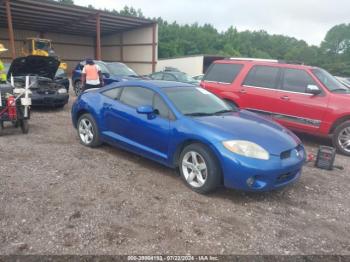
146, 110
313, 89
106, 75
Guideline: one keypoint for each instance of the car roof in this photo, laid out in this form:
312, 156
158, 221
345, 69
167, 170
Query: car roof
153, 84
267, 62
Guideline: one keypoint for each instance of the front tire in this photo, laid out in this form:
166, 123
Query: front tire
199, 168
341, 138
78, 87
24, 126
88, 131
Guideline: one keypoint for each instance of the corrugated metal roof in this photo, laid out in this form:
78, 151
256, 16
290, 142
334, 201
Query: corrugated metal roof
49, 16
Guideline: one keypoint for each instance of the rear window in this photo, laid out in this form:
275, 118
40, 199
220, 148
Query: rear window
263, 76
224, 73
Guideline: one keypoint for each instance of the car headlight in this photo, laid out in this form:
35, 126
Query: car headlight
246, 148
62, 91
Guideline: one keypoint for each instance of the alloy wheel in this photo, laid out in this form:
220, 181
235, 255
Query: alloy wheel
86, 132
344, 139
194, 169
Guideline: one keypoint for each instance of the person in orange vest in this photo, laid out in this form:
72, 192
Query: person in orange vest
91, 76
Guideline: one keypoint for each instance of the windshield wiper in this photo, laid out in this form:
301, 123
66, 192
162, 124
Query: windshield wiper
199, 114
224, 111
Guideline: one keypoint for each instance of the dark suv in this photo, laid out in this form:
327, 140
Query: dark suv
303, 98
111, 71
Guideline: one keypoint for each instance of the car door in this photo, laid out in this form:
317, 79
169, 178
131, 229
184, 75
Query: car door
149, 135
115, 121
299, 109
258, 90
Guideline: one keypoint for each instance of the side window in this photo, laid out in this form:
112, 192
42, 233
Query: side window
157, 76
263, 76
160, 107
137, 96
113, 93
296, 80
224, 73
169, 77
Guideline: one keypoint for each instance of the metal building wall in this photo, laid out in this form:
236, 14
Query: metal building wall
134, 48
70, 48
137, 49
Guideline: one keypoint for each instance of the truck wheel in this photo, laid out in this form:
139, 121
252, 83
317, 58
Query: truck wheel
24, 126
341, 138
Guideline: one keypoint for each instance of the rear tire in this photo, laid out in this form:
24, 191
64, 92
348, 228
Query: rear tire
199, 168
88, 131
341, 138
1, 127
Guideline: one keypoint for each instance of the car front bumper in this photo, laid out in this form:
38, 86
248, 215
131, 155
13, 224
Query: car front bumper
49, 99
248, 174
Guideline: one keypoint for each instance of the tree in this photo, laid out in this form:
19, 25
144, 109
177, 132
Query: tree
68, 2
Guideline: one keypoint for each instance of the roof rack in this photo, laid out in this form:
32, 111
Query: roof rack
253, 59
265, 60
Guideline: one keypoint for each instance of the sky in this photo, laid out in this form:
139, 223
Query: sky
308, 20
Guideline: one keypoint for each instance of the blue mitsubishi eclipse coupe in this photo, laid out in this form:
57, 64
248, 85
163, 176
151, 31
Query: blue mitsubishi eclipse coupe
186, 127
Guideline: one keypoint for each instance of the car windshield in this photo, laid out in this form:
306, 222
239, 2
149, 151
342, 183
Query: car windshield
182, 77
120, 69
196, 101
330, 81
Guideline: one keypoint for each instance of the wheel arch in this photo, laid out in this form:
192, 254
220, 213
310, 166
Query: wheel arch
338, 122
79, 114
181, 146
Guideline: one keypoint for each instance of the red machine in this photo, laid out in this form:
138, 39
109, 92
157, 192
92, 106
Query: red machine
14, 107
12, 110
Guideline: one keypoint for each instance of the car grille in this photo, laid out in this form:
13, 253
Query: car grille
46, 92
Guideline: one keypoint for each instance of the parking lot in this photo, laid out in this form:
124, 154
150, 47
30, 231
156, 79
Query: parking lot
58, 197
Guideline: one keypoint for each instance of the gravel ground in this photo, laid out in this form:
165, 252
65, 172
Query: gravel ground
58, 197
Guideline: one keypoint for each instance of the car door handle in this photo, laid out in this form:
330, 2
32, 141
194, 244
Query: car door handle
286, 98
243, 91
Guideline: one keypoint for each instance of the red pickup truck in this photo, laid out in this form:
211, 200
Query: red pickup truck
303, 98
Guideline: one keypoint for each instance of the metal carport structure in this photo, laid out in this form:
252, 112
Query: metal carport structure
107, 31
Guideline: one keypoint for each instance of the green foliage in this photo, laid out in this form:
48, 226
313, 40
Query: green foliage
70, 2
181, 40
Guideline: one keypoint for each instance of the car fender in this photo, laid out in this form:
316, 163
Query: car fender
231, 97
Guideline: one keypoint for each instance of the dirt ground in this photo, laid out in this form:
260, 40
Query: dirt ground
58, 197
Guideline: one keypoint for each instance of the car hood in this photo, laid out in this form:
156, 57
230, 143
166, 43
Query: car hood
34, 65
244, 125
